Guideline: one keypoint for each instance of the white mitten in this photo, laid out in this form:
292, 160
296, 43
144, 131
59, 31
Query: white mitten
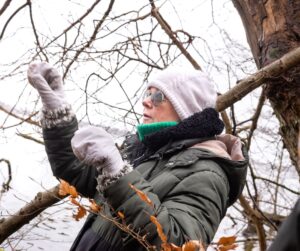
94, 146
48, 82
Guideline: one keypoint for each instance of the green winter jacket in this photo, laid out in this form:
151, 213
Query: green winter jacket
190, 186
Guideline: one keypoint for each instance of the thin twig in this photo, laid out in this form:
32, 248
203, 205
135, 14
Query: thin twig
278, 184
255, 118
35, 31
79, 20
167, 28
27, 120
5, 185
10, 18
92, 38
25, 136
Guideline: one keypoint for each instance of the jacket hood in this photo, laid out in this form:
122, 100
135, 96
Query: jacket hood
226, 145
226, 150
233, 157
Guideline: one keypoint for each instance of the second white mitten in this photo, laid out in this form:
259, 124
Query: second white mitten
94, 146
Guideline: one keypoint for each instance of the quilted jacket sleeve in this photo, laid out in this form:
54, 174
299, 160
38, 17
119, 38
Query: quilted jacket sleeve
191, 208
64, 163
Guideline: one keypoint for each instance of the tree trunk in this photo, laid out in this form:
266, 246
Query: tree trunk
273, 29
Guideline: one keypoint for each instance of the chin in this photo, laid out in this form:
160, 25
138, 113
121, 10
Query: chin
147, 121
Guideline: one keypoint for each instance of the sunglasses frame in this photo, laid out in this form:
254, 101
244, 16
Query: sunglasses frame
154, 97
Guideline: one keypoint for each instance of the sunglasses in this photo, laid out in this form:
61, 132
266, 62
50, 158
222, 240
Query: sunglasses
156, 97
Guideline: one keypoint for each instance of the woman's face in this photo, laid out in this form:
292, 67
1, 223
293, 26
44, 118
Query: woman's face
159, 112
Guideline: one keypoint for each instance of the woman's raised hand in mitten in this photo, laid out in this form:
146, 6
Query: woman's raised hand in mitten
48, 82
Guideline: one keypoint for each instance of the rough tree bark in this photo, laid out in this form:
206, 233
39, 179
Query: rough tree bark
273, 29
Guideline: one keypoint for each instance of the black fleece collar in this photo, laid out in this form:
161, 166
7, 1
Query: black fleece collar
205, 124
200, 125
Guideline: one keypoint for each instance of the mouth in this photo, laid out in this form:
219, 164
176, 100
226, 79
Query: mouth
146, 116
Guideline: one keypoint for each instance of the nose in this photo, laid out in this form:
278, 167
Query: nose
147, 103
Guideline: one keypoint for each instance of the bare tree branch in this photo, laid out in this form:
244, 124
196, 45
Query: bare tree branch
10, 112
278, 185
10, 18
42, 201
73, 24
254, 216
255, 118
25, 136
5, 185
92, 38
4, 7
35, 31
167, 28
248, 84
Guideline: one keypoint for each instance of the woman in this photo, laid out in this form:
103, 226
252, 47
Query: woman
190, 172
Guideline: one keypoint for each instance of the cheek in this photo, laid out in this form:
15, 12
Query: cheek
157, 114
164, 114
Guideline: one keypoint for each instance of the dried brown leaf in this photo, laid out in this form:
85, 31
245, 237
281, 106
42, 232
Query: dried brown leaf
159, 229
227, 243
81, 212
142, 195
227, 240
94, 206
65, 188
227, 247
175, 248
121, 215
74, 201
166, 247
193, 245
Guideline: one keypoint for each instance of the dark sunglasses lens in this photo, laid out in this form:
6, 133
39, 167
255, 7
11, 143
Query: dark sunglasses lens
157, 97
147, 94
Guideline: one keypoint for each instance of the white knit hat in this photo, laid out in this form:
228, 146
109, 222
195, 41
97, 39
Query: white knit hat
189, 91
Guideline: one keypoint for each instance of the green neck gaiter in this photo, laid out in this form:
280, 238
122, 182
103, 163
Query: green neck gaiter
145, 129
